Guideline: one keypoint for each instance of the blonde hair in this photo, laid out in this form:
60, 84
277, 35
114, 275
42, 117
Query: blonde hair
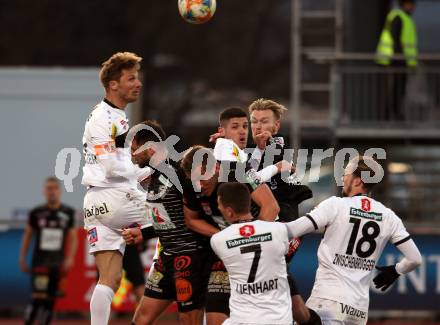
262, 104
112, 68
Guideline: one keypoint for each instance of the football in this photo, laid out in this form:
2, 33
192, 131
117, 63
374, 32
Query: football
197, 11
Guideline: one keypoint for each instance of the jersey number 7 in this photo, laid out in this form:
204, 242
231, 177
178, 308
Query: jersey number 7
252, 249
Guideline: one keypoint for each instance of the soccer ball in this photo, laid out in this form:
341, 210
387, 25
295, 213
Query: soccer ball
196, 11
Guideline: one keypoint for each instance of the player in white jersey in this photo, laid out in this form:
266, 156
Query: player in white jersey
357, 228
113, 201
253, 253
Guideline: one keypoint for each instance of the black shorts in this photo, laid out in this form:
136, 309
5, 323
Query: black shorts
182, 278
132, 264
45, 281
219, 288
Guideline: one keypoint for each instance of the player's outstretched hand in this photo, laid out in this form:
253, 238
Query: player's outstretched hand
285, 166
132, 236
386, 277
261, 139
213, 137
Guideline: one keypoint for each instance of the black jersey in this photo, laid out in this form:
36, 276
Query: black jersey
166, 202
50, 227
288, 195
207, 205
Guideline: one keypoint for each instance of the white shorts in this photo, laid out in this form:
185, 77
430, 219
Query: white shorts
107, 211
333, 312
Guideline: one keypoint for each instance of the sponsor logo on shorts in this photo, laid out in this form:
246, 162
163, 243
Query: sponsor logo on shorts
183, 290
41, 282
96, 211
364, 214
247, 230
155, 277
351, 311
182, 262
219, 282
93, 236
249, 240
182, 274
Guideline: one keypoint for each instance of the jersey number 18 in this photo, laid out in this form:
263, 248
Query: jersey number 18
367, 237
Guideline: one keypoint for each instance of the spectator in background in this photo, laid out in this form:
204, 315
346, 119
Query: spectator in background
52, 224
399, 37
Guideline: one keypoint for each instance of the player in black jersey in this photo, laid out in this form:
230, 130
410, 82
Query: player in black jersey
179, 272
202, 215
52, 225
265, 116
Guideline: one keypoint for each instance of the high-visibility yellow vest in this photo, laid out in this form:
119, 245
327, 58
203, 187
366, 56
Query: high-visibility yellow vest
408, 38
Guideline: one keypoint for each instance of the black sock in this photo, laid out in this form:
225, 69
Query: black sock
32, 311
47, 314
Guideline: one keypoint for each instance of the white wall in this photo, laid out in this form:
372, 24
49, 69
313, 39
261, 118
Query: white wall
42, 111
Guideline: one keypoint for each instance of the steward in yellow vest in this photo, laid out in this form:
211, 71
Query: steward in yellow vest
399, 36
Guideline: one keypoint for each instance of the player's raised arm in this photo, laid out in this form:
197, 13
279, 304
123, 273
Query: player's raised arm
316, 219
263, 197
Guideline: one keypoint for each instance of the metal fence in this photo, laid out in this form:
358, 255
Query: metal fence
385, 97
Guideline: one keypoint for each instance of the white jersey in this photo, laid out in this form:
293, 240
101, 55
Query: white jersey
106, 163
253, 254
356, 232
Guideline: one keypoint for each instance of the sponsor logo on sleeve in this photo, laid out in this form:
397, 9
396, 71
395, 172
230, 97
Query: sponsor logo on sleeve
252, 178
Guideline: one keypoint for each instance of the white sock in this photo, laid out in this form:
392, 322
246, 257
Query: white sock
100, 304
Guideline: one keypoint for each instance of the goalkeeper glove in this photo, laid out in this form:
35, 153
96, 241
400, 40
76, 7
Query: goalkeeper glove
386, 277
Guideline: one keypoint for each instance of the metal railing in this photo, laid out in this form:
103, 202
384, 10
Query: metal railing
383, 99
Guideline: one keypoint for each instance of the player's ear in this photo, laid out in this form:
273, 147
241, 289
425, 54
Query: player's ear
113, 85
277, 126
358, 182
229, 212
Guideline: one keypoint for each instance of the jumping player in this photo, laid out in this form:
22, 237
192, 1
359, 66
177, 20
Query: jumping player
112, 201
